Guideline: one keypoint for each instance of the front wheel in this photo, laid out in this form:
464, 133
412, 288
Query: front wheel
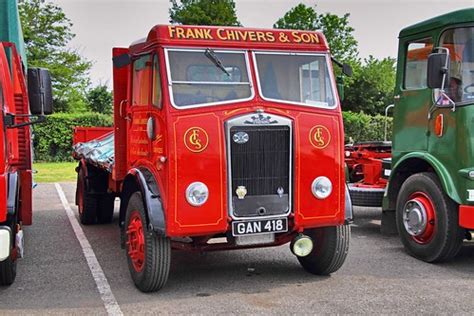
148, 254
331, 246
427, 219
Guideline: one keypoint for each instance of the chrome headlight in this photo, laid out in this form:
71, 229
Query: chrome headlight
197, 193
321, 187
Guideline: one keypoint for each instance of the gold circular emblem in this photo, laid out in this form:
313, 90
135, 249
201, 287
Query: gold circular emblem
196, 139
319, 136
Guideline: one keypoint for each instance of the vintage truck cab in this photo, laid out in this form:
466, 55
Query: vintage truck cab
223, 138
431, 184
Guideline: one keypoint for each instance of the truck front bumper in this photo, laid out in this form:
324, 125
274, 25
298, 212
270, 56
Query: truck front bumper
466, 216
5, 242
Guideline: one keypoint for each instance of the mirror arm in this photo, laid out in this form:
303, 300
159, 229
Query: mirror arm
10, 120
337, 62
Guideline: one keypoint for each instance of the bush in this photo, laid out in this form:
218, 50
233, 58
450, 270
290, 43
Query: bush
362, 127
53, 140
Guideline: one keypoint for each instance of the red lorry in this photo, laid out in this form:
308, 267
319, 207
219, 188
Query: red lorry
223, 138
17, 104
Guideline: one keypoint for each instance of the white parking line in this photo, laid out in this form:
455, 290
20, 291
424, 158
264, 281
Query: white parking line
103, 286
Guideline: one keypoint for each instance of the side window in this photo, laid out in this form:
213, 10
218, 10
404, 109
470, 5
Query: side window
142, 69
417, 63
156, 95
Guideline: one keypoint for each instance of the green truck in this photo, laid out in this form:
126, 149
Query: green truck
428, 184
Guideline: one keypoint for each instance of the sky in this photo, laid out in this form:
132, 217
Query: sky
100, 25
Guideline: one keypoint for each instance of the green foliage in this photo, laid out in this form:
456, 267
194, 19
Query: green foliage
204, 12
372, 86
359, 127
53, 139
99, 99
47, 31
337, 30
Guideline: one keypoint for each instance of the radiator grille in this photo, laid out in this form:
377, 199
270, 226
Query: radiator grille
261, 164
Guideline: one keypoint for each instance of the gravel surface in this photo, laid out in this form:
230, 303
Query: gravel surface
378, 276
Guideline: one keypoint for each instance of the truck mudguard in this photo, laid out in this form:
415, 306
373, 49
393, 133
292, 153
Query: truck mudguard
13, 191
151, 198
444, 177
349, 215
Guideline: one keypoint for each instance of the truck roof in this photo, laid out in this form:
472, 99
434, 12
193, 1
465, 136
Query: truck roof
233, 37
455, 17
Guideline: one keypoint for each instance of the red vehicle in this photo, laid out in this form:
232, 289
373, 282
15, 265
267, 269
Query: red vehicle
224, 138
15, 151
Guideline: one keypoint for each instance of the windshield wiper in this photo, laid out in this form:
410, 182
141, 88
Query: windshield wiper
209, 53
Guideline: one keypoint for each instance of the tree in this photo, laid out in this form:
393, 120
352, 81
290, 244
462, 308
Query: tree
47, 31
371, 88
337, 30
204, 12
99, 99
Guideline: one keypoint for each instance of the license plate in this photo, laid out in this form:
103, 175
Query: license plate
277, 225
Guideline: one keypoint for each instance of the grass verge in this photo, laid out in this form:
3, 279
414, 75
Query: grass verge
54, 172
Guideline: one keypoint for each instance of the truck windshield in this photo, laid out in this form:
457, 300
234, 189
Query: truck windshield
460, 42
295, 78
207, 77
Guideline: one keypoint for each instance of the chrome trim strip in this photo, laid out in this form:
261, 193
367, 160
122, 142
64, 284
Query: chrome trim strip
170, 83
242, 121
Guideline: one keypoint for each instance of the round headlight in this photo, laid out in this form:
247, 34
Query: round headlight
197, 193
321, 187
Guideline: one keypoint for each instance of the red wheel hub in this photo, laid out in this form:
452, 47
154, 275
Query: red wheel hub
136, 241
419, 217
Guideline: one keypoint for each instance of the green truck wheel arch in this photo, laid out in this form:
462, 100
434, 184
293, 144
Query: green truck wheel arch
429, 160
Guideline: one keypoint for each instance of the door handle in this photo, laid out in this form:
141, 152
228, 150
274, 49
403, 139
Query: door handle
122, 103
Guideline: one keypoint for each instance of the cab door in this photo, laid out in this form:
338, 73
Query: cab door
141, 74
156, 121
413, 98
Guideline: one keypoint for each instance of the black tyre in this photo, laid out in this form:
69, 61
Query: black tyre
331, 245
8, 266
105, 208
148, 254
371, 197
427, 219
86, 203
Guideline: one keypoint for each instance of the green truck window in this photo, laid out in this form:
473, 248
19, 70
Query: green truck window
416, 63
156, 96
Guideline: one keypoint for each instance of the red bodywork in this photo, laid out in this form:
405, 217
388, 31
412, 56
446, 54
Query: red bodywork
15, 143
175, 165
85, 134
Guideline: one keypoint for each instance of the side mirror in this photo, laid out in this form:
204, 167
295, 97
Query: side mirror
40, 91
347, 70
340, 87
438, 68
121, 60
